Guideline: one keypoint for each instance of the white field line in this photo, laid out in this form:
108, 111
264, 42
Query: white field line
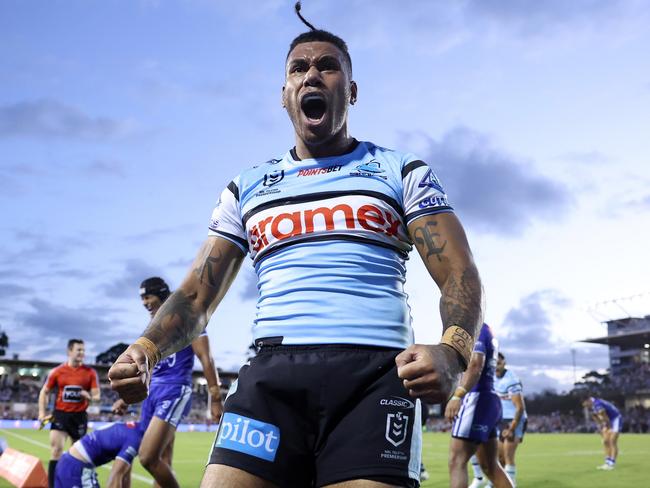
45, 446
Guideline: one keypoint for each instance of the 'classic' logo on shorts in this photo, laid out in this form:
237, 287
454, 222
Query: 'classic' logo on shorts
396, 428
249, 436
396, 402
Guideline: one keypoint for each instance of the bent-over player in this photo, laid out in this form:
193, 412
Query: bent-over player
118, 442
610, 423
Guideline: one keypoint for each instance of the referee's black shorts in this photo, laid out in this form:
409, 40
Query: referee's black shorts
75, 424
303, 416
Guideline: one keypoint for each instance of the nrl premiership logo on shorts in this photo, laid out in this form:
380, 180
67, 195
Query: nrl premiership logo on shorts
396, 428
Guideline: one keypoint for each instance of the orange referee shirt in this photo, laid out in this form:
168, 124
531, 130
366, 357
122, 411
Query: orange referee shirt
70, 381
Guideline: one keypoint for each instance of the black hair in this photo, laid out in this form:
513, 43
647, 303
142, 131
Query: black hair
72, 342
502, 357
155, 286
319, 35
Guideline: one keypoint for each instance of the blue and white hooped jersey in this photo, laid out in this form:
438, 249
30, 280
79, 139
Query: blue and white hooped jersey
328, 238
176, 368
487, 345
507, 386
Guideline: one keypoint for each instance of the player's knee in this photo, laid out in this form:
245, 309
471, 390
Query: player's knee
148, 459
457, 459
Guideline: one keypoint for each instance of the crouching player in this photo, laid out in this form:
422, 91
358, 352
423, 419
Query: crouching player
119, 442
475, 410
610, 421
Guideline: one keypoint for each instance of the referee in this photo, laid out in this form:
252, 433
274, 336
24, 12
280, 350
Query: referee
76, 386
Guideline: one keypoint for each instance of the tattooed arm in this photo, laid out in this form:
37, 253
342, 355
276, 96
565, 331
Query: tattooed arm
180, 319
442, 244
429, 372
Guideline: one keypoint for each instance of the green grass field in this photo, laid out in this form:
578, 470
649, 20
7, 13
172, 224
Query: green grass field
543, 460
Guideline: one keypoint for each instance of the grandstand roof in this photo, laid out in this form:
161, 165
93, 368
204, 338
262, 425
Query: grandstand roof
635, 339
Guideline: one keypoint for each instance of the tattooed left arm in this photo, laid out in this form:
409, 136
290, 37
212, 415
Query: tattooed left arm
442, 244
430, 372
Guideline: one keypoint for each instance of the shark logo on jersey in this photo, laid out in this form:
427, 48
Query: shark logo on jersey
396, 428
273, 177
371, 168
431, 181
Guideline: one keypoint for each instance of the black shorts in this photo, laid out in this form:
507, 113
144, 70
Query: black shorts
309, 416
75, 424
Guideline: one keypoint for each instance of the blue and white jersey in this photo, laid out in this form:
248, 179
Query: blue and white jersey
328, 238
176, 368
119, 440
487, 345
507, 386
600, 405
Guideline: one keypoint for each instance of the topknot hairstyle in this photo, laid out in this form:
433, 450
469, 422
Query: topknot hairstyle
319, 35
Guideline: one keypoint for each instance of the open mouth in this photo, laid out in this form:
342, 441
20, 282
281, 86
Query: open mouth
313, 106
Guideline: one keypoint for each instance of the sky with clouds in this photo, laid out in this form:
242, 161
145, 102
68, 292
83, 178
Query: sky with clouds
122, 121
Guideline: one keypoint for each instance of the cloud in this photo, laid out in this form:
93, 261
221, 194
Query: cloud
533, 349
492, 191
128, 285
44, 331
51, 118
530, 323
36, 249
11, 291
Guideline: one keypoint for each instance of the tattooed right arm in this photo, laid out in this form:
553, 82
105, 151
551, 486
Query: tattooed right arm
187, 311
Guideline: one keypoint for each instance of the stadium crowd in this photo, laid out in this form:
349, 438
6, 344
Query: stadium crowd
636, 419
25, 391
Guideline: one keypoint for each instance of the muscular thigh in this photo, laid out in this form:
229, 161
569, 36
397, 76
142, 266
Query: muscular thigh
157, 438
222, 476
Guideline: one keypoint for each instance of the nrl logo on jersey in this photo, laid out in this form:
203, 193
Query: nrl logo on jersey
273, 177
431, 181
371, 168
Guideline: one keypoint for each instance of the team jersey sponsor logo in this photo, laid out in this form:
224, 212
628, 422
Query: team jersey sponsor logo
72, 394
396, 402
396, 428
371, 168
320, 171
273, 177
249, 436
430, 180
322, 218
434, 202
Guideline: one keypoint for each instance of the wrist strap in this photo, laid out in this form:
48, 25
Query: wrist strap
460, 340
460, 391
151, 350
